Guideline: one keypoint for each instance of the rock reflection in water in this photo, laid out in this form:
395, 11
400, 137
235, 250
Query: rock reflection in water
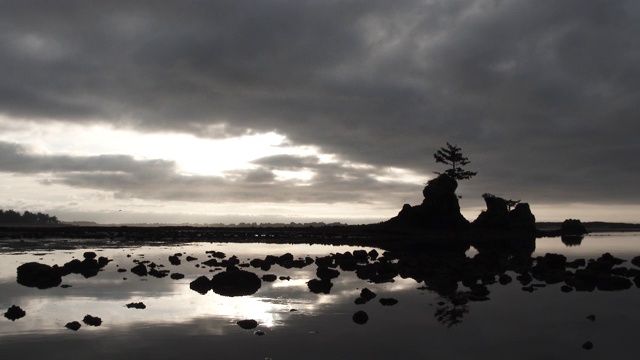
457, 279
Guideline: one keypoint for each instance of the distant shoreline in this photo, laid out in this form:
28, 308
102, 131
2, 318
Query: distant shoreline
374, 235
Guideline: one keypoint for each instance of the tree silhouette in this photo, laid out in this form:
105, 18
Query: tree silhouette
452, 155
14, 217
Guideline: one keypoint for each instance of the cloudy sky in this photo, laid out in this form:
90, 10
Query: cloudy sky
229, 111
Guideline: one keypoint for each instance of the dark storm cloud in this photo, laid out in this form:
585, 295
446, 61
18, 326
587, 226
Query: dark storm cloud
542, 96
127, 177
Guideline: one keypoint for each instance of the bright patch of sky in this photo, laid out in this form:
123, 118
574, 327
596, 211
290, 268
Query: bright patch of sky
193, 155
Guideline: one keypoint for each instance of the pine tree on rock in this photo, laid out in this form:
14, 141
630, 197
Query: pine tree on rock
451, 155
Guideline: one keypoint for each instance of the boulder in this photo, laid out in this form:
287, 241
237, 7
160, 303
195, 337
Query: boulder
360, 317
92, 320
247, 324
74, 325
138, 305
269, 277
613, 283
38, 275
388, 301
319, 286
235, 283
177, 276
201, 285
367, 294
140, 270
174, 260
327, 273
14, 313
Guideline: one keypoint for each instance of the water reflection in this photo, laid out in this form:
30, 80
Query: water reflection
572, 240
454, 283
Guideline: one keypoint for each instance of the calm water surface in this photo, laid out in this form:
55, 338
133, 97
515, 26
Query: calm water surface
298, 324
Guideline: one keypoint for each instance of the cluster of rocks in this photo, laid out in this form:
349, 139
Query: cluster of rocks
42, 276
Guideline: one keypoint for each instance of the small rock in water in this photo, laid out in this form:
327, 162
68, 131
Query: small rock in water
591, 317
14, 313
566, 288
65, 286
138, 305
588, 345
92, 320
89, 255
201, 285
269, 277
367, 294
259, 332
140, 270
360, 317
74, 325
177, 276
388, 301
247, 324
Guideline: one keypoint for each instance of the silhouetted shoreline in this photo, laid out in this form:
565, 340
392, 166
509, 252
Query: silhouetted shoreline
376, 235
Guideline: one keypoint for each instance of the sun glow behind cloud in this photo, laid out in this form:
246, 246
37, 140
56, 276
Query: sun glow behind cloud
193, 155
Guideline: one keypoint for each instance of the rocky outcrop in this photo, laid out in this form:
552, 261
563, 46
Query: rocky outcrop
498, 215
439, 210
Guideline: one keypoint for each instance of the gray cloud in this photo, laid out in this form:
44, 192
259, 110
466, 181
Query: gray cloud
127, 177
542, 96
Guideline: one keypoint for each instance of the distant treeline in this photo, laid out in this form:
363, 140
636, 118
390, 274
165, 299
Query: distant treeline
14, 217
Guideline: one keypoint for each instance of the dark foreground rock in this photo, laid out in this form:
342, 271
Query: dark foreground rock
201, 285
14, 313
247, 324
360, 317
235, 283
138, 305
92, 320
365, 296
140, 270
38, 275
388, 301
177, 276
74, 325
269, 277
319, 286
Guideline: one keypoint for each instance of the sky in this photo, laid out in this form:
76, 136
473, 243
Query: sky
280, 111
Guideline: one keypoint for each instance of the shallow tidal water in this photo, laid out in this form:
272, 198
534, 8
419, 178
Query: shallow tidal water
179, 322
